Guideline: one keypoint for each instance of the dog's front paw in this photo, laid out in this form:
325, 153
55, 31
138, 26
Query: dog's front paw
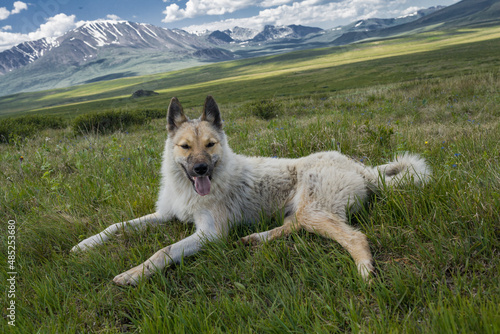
87, 244
132, 276
365, 269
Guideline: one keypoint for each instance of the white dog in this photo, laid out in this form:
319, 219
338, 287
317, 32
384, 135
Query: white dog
205, 182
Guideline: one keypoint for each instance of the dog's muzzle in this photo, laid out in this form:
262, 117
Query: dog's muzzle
202, 180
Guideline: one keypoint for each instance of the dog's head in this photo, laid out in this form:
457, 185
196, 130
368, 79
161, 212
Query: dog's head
197, 144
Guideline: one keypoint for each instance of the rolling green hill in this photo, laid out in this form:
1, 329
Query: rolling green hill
425, 55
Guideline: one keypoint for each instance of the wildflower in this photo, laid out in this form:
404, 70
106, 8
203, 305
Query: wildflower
21, 159
457, 154
426, 142
454, 165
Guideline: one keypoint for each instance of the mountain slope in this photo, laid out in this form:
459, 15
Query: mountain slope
24, 53
463, 13
85, 42
102, 50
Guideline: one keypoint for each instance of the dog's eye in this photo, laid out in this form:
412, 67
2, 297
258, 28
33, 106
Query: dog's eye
185, 146
210, 144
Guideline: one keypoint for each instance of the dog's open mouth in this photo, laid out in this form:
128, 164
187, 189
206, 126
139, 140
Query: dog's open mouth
202, 185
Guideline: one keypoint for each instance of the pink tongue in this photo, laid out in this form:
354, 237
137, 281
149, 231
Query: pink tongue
202, 185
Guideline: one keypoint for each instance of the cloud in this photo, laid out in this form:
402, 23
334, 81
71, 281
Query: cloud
55, 26
196, 8
4, 13
5, 28
305, 12
18, 7
113, 17
272, 3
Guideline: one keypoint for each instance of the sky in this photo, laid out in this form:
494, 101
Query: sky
22, 21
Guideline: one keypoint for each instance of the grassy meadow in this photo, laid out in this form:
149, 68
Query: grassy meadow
436, 248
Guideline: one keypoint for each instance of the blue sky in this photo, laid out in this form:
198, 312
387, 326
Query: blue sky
30, 20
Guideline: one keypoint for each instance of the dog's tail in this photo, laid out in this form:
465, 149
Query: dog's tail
405, 168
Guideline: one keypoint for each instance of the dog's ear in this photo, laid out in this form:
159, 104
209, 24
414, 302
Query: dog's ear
211, 112
175, 115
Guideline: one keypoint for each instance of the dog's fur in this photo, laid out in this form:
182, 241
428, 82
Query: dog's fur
204, 182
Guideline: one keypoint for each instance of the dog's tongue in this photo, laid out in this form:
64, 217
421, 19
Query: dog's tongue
202, 185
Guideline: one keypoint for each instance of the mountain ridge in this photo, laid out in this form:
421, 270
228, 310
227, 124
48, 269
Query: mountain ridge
104, 49
460, 14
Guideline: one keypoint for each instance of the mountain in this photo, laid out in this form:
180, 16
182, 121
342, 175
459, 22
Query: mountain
102, 50
373, 24
268, 34
279, 32
242, 34
24, 53
85, 43
463, 13
219, 37
105, 50
277, 39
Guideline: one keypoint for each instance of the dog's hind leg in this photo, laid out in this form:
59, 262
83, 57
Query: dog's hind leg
327, 225
100, 238
335, 227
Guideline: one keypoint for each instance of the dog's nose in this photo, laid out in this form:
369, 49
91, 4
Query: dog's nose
201, 169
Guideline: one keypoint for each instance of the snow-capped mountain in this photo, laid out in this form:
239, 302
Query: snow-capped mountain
87, 41
242, 34
97, 34
25, 53
279, 32
377, 24
270, 33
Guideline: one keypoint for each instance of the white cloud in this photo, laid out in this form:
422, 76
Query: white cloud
4, 13
196, 8
55, 26
272, 3
113, 17
18, 7
5, 28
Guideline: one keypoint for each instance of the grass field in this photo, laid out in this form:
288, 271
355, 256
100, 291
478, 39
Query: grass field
436, 248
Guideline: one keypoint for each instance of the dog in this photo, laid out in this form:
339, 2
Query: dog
205, 182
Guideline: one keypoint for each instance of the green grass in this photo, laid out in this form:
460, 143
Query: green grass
436, 248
